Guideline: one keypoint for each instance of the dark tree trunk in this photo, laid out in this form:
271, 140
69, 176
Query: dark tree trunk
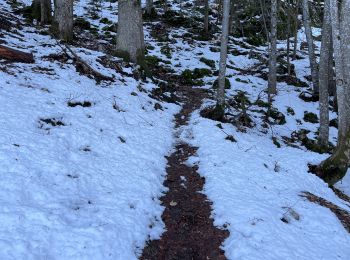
46, 11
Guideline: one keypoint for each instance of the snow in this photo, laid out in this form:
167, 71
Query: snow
344, 184
251, 195
254, 185
89, 189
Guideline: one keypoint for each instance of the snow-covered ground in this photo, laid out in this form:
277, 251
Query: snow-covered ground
88, 187
254, 184
84, 182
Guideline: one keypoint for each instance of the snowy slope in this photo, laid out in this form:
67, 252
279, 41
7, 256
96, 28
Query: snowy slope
87, 189
254, 185
83, 182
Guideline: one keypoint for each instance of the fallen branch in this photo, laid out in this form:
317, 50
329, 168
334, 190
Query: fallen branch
15, 55
83, 66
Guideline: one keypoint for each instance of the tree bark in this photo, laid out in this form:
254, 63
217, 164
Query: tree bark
64, 19
288, 36
46, 11
206, 17
223, 57
335, 167
272, 80
36, 9
324, 77
15, 55
262, 7
130, 37
149, 8
310, 42
166, 7
233, 18
296, 23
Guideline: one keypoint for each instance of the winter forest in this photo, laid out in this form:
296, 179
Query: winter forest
175, 129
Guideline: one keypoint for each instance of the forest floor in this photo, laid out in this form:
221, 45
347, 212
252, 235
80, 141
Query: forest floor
131, 167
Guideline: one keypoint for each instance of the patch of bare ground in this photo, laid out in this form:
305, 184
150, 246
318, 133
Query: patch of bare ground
190, 231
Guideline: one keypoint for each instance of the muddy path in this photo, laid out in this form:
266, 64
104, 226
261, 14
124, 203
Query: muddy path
190, 232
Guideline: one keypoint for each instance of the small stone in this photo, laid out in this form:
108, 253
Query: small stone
173, 203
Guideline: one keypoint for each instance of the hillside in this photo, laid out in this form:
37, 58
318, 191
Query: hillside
87, 163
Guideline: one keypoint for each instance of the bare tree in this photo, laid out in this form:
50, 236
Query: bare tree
149, 7
272, 80
64, 19
335, 167
206, 16
324, 77
310, 43
223, 57
36, 9
166, 7
46, 11
130, 37
296, 22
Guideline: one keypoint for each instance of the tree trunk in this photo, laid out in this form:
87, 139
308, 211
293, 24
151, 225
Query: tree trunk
64, 19
295, 15
36, 9
272, 80
262, 7
166, 7
206, 17
324, 77
335, 167
149, 8
130, 38
310, 42
233, 18
223, 57
46, 11
288, 36
15, 55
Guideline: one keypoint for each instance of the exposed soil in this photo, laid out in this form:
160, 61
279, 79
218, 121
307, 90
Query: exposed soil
341, 195
190, 232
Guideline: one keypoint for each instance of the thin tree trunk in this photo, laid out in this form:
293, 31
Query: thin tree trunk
264, 20
272, 80
232, 17
64, 19
223, 56
219, 17
36, 9
149, 7
130, 37
312, 57
288, 36
324, 77
46, 11
206, 17
296, 29
166, 7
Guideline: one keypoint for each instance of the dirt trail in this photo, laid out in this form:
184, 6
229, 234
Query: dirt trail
190, 232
